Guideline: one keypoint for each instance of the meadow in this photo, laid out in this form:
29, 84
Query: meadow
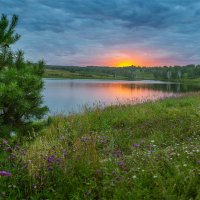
144, 151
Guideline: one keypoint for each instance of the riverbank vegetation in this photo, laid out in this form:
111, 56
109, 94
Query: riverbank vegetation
145, 151
189, 73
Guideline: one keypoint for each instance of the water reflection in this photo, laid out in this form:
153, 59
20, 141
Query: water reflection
64, 95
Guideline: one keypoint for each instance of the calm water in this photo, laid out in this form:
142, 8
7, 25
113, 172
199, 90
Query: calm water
66, 95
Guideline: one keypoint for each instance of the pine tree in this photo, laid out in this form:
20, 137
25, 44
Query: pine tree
20, 82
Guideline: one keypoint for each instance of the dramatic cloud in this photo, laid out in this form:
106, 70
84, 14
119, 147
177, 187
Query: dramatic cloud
97, 32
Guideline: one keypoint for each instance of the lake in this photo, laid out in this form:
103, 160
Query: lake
71, 95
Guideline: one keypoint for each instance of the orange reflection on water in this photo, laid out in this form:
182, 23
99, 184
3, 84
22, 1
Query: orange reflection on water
67, 95
130, 92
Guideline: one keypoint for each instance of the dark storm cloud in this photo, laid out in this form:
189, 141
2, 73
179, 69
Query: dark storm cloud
85, 32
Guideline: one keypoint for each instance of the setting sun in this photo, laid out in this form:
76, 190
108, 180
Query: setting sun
124, 64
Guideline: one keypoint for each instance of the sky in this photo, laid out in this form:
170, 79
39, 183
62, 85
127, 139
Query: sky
108, 32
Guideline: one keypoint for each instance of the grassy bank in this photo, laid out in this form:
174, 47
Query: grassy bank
191, 81
138, 75
146, 151
61, 73
54, 73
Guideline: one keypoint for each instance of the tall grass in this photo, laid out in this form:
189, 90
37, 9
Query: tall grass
146, 151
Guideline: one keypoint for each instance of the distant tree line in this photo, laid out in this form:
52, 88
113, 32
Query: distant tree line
177, 72
135, 72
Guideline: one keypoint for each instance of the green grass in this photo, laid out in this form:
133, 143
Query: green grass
138, 75
191, 81
55, 73
78, 75
146, 151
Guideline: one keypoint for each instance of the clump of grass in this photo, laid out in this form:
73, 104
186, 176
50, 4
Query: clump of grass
147, 151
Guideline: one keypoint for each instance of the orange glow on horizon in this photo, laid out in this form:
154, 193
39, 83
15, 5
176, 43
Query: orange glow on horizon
124, 63
123, 59
141, 58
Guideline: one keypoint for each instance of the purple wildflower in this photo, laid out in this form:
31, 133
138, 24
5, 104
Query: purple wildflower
23, 152
121, 164
7, 149
58, 160
136, 145
198, 162
16, 147
104, 140
50, 159
118, 153
14, 156
4, 173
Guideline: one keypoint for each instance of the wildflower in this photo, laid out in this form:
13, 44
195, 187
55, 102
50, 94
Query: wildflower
118, 153
16, 147
4, 173
5, 142
23, 152
12, 133
14, 156
52, 159
84, 139
103, 140
113, 173
155, 176
64, 152
87, 193
134, 177
25, 165
136, 145
8, 149
121, 164
198, 162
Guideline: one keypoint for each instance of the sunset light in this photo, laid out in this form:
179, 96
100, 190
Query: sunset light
124, 64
